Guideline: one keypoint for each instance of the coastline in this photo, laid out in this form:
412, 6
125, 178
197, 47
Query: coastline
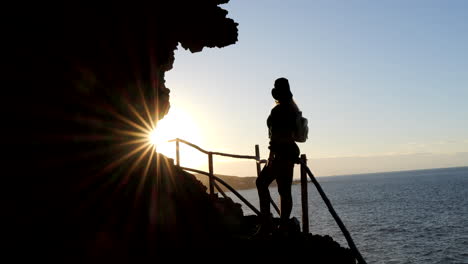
236, 182
248, 182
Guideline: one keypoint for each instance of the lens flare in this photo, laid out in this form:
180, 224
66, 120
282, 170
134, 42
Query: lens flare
178, 124
153, 137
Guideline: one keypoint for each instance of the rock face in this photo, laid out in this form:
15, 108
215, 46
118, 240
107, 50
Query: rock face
82, 84
78, 51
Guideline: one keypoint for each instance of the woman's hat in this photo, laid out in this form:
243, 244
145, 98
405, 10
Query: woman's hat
281, 92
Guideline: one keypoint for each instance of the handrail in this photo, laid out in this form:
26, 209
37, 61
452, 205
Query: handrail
190, 144
227, 186
335, 215
215, 153
234, 156
211, 174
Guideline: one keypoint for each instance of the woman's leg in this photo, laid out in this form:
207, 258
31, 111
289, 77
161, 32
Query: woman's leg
263, 181
285, 170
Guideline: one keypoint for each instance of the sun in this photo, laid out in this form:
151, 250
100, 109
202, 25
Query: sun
178, 124
153, 138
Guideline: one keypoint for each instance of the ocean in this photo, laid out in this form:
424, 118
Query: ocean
395, 217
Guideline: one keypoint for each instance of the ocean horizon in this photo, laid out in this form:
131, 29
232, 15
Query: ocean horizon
416, 216
394, 171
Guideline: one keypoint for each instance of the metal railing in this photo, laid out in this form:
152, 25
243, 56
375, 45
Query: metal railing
304, 193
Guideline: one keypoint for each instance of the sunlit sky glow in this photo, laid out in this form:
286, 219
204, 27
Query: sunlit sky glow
178, 124
384, 84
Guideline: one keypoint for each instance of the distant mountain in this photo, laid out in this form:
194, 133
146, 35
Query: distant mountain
236, 182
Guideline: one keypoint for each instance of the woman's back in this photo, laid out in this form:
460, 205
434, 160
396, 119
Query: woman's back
281, 125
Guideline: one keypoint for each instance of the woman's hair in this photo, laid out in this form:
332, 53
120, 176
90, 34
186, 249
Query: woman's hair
281, 90
290, 104
282, 94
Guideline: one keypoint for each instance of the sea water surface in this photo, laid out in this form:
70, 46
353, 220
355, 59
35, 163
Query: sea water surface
396, 217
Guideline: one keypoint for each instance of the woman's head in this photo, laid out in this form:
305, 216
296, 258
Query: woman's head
281, 91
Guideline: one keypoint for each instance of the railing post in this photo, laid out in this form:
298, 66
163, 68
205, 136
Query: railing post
177, 152
210, 168
257, 156
304, 196
332, 211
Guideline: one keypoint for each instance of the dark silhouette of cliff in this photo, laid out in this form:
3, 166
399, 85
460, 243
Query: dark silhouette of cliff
67, 54
80, 83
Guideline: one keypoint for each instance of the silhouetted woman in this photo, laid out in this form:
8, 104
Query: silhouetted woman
284, 153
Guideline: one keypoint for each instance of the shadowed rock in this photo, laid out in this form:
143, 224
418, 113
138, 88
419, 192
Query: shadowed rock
82, 83
62, 51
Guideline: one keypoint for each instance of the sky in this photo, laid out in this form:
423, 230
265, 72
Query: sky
384, 84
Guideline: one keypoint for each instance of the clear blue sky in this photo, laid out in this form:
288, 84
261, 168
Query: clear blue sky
384, 84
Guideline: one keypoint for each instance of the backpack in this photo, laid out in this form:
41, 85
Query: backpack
301, 130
